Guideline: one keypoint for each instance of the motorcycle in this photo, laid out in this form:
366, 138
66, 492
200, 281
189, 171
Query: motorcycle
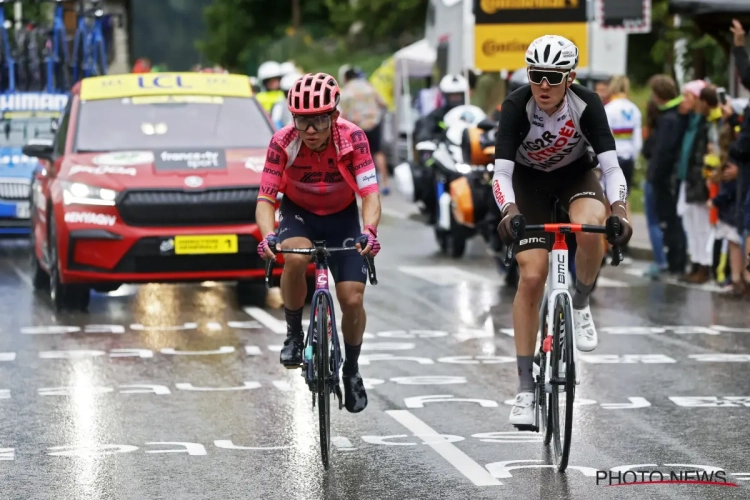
421, 181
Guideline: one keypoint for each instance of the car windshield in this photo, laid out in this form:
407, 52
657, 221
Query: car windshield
165, 122
19, 127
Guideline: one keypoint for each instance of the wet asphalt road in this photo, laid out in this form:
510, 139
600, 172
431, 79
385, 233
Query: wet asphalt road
176, 392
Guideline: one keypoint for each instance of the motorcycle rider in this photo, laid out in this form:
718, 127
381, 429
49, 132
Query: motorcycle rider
269, 75
453, 89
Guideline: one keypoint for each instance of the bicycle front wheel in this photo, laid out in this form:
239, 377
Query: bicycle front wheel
323, 371
562, 378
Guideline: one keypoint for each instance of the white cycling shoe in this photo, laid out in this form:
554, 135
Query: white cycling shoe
523, 409
583, 324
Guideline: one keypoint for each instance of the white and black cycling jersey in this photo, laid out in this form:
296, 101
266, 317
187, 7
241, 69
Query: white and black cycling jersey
529, 137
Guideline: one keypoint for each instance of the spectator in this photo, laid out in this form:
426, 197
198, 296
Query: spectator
725, 202
601, 87
668, 131
361, 104
698, 100
659, 265
625, 120
739, 153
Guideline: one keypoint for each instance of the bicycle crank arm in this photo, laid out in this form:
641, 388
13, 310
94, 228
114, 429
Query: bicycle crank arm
339, 395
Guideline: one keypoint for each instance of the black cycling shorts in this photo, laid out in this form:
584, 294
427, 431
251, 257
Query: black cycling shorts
337, 230
536, 191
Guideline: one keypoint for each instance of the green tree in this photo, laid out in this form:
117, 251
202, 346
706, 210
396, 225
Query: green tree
238, 31
704, 54
379, 18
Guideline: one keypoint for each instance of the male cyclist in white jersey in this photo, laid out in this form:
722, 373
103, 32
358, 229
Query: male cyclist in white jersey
542, 153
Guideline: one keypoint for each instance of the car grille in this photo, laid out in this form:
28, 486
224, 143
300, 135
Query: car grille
14, 190
177, 207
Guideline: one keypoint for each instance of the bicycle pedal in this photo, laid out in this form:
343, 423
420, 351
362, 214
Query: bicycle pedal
527, 428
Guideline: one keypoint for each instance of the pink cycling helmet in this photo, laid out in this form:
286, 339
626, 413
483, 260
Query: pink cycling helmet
314, 94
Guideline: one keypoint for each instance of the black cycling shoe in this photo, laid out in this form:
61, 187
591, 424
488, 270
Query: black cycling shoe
291, 353
355, 397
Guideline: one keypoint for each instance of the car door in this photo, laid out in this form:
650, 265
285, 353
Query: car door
41, 185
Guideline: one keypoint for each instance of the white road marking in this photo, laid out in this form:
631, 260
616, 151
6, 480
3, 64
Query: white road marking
253, 350
275, 325
342, 443
446, 275
603, 282
458, 459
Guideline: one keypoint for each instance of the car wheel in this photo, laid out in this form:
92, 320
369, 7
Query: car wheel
64, 296
39, 277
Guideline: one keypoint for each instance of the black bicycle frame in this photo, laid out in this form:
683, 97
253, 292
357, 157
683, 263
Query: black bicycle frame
320, 254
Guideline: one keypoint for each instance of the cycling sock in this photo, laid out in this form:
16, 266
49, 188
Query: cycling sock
581, 295
525, 373
352, 355
294, 320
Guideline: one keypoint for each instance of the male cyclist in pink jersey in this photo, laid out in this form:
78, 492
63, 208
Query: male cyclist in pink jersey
319, 162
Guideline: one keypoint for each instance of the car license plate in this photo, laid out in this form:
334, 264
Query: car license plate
23, 210
194, 245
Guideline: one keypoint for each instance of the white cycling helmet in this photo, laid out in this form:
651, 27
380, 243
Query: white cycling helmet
269, 70
287, 81
287, 68
453, 84
552, 52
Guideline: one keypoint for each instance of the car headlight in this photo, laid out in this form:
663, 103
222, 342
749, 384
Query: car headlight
463, 168
77, 193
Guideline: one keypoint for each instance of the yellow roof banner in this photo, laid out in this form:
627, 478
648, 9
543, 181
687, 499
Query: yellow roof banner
500, 47
152, 84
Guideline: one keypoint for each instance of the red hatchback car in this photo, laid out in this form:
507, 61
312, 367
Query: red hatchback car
150, 178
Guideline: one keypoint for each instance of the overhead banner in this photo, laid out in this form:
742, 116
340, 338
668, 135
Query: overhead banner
632, 17
529, 11
504, 29
503, 46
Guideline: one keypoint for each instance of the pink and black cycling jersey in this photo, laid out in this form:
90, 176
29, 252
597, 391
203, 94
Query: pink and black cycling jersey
322, 183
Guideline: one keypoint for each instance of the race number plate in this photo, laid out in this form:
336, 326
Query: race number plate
209, 244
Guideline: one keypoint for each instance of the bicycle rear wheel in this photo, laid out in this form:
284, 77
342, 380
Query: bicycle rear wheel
323, 372
562, 377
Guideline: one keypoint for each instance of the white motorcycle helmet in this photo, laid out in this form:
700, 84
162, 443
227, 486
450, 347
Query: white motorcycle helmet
287, 68
552, 52
288, 80
269, 70
454, 88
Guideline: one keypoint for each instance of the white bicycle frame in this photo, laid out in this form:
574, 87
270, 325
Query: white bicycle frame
558, 283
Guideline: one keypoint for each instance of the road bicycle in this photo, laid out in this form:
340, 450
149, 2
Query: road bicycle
558, 356
89, 51
7, 62
322, 355
56, 51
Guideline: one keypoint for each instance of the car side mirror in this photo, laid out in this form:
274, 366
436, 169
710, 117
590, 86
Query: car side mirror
39, 148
